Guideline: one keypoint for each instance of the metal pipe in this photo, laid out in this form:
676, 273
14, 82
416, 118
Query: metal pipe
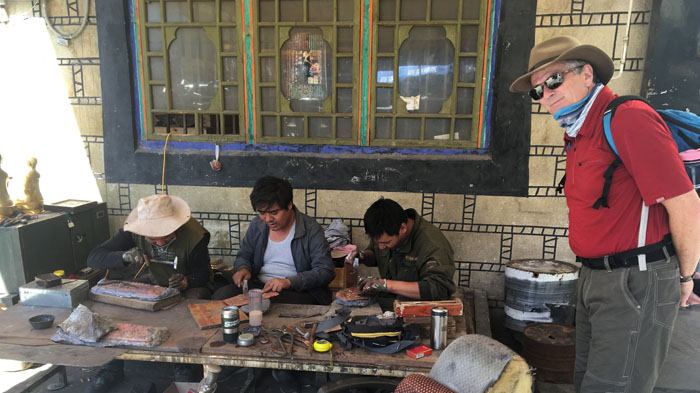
208, 383
625, 42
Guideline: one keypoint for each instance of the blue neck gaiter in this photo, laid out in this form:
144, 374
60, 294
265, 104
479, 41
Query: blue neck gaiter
568, 115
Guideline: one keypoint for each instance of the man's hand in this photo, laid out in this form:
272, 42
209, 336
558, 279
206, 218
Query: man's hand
240, 276
372, 285
134, 256
277, 285
688, 298
354, 254
177, 281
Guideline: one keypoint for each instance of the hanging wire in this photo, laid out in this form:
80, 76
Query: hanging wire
625, 42
45, 14
162, 180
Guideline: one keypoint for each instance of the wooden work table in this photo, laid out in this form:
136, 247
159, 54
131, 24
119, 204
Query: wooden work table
189, 344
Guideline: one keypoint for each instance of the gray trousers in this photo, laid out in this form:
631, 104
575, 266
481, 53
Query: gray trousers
624, 321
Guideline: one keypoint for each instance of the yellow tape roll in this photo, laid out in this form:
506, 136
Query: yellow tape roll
322, 346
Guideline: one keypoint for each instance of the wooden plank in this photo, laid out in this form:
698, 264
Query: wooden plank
185, 335
39, 378
135, 303
208, 315
422, 308
69, 355
482, 321
357, 357
468, 301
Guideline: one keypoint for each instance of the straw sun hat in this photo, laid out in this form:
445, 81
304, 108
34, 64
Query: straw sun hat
157, 216
564, 48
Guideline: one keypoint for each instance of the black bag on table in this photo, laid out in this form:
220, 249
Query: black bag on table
379, 335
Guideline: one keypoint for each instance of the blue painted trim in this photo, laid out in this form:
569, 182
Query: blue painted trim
304, 148
137, 70
319, 149
493, 36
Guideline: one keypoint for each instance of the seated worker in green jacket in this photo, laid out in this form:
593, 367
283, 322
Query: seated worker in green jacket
414, 258
160, 228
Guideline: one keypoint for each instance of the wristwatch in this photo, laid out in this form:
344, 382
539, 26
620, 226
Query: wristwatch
687, 278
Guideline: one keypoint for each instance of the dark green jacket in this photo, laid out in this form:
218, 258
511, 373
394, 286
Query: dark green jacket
186, 238
426, 257
190, 246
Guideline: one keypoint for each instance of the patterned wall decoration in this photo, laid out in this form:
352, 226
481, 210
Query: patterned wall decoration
486, 231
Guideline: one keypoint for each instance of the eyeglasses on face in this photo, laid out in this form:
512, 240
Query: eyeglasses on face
552, 82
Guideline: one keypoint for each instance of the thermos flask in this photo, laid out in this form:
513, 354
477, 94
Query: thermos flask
438, 328
229, 323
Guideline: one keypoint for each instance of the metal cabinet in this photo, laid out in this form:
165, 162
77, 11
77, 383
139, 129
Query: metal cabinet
88, 229
40, 246
59, 240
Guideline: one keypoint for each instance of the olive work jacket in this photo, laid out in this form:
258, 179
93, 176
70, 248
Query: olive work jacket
426, 257
190, 246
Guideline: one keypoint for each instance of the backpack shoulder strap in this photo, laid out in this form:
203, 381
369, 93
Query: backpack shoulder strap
607, 120
610, 112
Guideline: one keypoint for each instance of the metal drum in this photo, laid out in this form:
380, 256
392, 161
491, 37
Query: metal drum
539, 291
551, 349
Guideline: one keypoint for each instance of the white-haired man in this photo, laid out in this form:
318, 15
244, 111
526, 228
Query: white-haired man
628, 290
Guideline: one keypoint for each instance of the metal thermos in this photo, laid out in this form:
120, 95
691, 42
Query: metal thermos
229, 323
438, 328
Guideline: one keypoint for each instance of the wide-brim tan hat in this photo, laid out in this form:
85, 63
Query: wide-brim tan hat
564, 48
157, 216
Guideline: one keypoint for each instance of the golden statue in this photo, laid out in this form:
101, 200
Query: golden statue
5, 200
33, 201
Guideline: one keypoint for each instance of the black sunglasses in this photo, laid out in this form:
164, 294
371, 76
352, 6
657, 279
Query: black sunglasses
552, 83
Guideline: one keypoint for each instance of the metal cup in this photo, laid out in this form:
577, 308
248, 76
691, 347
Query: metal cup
255, 311
229, 323
438, 328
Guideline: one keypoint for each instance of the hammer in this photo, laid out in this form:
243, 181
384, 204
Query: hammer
173, 262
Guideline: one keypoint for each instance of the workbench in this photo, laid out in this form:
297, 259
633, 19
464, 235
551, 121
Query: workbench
189, 344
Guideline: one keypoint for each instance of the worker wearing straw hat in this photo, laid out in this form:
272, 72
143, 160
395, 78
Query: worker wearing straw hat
159, 228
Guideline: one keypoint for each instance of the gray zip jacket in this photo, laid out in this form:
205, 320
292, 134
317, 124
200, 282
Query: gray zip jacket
312, 256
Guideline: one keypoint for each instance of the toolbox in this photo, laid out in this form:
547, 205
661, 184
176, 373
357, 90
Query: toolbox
67, 295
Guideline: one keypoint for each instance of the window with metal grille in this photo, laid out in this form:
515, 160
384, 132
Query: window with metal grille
190, 69
422, 63
427, 59
496, 164
307, 64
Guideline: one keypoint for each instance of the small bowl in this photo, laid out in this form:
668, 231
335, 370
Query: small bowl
245, 340
42, 321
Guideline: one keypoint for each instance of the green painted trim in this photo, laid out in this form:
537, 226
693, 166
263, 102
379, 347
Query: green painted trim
136, 26
489, 35
366, 77
248, 58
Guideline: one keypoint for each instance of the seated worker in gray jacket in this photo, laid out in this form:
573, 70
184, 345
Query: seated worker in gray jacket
283, 250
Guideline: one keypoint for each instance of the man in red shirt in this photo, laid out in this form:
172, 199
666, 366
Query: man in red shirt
633, 249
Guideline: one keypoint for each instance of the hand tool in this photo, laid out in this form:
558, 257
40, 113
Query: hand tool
312, 331
278, 338
173, 262
322, 346
297, 340
298, 315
